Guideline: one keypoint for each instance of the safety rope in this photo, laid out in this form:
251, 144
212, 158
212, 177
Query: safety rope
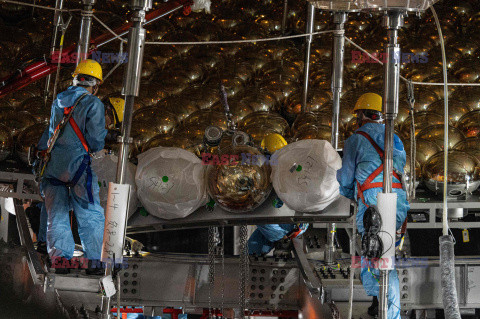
413, 146
120, 62
108, 29
217, 42
63, 27
402, 77
39, 6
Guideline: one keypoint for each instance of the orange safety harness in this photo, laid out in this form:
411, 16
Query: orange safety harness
85, 164
368, 183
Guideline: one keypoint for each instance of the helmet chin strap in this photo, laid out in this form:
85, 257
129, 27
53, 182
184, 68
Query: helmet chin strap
363, 119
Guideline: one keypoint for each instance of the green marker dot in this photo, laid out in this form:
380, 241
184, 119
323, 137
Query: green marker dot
99, 184
165, 179
299, 168
211, 203
143, 212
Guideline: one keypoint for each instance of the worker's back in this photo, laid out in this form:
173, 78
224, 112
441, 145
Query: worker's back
362, 160
68, 151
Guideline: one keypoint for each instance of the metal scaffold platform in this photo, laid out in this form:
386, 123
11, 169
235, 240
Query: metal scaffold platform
339, 210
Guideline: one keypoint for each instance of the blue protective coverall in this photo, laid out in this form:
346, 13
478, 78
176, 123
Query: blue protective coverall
66, 157
360, 159
263, 239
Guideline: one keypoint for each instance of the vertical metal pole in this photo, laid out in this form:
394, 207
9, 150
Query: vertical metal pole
330, 249
131, 88
85, 31
392, 21
339, 19
308, 47
382, 301
57, 19
285, 16
353, 253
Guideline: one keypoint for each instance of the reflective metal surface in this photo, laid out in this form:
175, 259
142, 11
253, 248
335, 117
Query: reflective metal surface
311, 118
28, 137
456, 109
18, 121
435, 133
422, 120
425, 149
469, 123
463, 172
321, 132
356, 5
272, 121
6, 142
240, 187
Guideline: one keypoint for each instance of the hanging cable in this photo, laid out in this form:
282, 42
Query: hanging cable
120, 62
57, 76
216, 42
39, 6
445, 138
402, 77
413, 146
108, 29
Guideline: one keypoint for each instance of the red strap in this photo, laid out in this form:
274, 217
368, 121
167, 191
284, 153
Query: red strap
368, 183
375, 145
79, 133
76, 128
295, 234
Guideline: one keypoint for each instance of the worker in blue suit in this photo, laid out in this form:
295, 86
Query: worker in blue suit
361, 180
263, 239
68, 183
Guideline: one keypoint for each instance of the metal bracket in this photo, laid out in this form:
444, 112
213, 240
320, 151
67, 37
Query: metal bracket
49, 284
18, 181
312, 282
34, 264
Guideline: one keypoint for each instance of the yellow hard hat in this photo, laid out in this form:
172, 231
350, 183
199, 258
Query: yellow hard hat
118, 105
369, 101
89, 67
273, 142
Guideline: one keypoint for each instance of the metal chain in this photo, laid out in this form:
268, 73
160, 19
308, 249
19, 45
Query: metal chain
222, 253
243, 269
211, 267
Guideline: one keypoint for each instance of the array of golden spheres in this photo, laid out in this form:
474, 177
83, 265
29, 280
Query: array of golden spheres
179, 91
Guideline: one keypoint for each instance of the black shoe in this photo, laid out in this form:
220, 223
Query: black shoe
62, 271
373, 309
95, 268
42, 248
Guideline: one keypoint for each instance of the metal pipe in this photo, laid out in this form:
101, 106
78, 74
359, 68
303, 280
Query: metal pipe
308, 47
353, 243
330, 249
56, 27
393, 21
85, 31
339, 20
131, 87
382, 302
285, 16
